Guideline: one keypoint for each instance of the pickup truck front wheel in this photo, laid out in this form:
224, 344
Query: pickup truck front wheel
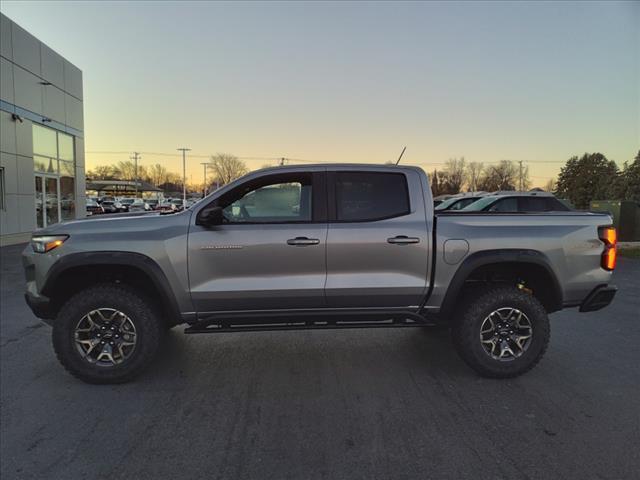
106, 333
501, 332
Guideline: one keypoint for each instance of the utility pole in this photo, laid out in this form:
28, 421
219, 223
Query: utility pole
204, 188
136, 156
520, 162
184, 175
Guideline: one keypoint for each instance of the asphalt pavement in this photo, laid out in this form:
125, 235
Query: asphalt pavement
354, 404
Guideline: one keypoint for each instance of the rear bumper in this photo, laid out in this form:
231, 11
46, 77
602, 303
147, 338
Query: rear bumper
599, 297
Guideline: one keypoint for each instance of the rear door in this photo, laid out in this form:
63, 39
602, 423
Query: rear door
269, 254
377, 242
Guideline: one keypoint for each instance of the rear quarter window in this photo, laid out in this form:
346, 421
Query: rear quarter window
369, 196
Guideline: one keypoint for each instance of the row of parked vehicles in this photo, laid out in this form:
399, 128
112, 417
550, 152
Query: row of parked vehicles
110, 204
504, 201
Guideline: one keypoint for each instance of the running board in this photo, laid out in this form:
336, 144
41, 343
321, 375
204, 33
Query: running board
213, 326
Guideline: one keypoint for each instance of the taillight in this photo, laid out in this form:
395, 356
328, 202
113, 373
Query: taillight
610, 238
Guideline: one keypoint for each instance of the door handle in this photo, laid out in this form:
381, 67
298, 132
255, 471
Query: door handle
303, 241
403, 240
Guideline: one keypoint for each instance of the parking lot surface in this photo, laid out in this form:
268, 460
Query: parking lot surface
388, 403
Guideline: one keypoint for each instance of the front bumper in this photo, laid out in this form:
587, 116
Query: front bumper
39, 305
599, 297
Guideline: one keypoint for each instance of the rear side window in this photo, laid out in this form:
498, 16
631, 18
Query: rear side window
368, 196
541, 204
555, 205
533, 204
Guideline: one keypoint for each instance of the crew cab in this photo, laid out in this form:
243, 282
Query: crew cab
316, 247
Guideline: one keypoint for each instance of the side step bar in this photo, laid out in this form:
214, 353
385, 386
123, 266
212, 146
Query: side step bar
218, 326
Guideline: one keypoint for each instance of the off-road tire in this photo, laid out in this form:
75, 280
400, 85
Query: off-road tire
468, 320
147, 322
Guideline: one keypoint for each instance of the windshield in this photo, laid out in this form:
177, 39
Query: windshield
480, 204
457, 203
445, 205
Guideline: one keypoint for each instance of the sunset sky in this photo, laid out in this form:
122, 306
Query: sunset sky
331, 82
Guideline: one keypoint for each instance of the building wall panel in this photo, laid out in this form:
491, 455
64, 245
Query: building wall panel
7, 133
28, 90
26, 49
52, 67
6, 80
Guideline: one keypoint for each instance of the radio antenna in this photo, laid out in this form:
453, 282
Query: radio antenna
401, 154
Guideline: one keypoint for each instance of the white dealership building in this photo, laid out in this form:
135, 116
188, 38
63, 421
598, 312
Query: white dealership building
42, 177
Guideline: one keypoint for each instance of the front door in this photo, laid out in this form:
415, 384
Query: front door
270, 251
377, 242
47, 200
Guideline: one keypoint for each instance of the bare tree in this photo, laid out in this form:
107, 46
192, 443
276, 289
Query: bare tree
550, 186
125, 170
101, 172
227, 167
474, 172
455, 174
158, 174
503, 176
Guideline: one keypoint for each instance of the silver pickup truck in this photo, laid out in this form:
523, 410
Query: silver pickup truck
316, 247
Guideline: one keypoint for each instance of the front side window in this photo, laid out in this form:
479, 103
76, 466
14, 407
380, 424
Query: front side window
369, 196
275, 202
505, 205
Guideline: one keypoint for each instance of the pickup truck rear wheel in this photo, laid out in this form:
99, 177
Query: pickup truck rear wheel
501, 332
106, 333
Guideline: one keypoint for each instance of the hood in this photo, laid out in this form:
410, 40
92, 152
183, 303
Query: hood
113, 223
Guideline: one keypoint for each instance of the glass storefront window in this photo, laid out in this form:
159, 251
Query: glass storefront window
67, 198
45, 142
39, 197
45, 164
54, 165
51, 200
67, 169
65, 147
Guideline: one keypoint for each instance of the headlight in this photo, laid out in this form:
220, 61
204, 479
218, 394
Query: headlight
46, 243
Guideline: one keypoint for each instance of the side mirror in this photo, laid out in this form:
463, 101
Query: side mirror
210, 216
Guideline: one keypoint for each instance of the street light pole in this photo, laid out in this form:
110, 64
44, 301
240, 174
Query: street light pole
204, 188
184, 176
135, 158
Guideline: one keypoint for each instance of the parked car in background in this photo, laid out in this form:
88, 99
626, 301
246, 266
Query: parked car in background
124, 203
109, 206
152, 203
93, 208
106, 198
458, 203
167, 207
441, 198
518, 202
138, 205
178, 203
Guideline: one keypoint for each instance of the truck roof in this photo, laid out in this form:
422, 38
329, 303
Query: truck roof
341, 166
